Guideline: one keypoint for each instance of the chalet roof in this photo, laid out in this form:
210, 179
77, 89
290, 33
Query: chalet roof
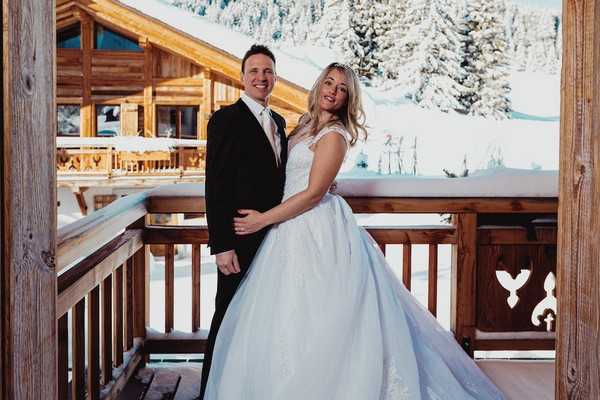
193, 37
290, 67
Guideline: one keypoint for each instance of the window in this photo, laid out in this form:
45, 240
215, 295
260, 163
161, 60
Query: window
106, 39
108, 120
69, 38
68, 119
177, 122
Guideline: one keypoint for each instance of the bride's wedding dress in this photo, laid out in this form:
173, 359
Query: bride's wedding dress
321, 316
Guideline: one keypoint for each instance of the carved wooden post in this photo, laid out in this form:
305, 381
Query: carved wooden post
463, 278
578, 341
28, 194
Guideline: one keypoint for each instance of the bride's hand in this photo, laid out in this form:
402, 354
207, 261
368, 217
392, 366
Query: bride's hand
252, 222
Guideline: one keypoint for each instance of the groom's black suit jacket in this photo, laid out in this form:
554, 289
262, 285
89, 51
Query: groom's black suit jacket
241, 173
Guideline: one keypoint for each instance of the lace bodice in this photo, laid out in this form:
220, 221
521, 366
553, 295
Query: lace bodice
300, 158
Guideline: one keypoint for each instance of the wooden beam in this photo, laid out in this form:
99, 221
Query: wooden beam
141, 279
175, 235
118, 317
414, 235
148, 88
178, 342
196, 286
83, 208
432, 279
169, 287
578, 270
78, 351
463, 280
196, 204
452, 205
28, 195
93, 344
207, 102
87, 43
187, 204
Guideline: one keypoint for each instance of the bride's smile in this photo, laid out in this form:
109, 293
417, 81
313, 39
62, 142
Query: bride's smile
334, 92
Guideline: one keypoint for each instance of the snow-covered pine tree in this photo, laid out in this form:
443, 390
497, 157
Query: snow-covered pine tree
360, 47
332, 25
392, 15
433, 72
486, 61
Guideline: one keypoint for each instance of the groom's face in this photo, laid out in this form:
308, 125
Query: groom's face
259, 77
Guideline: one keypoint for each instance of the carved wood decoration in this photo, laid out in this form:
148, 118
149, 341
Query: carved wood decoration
578, 351
28, 186
523, 267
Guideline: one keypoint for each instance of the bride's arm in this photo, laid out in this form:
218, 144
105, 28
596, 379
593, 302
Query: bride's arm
329, 155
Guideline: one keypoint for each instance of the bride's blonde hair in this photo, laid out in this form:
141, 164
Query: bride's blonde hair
350, 115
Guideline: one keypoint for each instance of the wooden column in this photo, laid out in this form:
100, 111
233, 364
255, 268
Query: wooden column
148, 88
578, 269
87, 44
464, 268
207, 102
28, 193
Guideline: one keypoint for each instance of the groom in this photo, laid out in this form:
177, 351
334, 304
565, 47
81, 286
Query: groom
245, 169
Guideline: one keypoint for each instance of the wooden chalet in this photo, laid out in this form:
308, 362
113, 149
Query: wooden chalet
121, 74
75, 301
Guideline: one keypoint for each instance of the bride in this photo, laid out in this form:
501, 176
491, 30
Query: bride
320, 314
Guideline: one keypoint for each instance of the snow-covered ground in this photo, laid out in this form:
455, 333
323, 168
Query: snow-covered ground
529, 140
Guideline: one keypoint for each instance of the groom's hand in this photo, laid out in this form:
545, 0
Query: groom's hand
228, 263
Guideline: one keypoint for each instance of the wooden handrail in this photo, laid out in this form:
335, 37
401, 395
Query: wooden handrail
81, 238
77, 282
374, 205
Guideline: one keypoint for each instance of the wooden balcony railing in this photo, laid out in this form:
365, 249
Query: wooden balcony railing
103, 261
105, 159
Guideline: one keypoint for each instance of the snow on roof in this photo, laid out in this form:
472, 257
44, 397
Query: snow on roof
502, 182
128, 143
289, 65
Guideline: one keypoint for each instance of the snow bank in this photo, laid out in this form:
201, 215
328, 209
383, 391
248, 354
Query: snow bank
128, 143
502, 182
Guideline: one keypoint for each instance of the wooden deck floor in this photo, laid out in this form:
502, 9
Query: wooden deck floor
522, 379
518, 379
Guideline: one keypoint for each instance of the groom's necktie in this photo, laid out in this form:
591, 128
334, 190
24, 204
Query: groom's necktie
270, 130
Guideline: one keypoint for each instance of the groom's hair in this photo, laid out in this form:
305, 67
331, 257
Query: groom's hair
257, 49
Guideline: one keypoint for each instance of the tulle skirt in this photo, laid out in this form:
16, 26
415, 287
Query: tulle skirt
321, 316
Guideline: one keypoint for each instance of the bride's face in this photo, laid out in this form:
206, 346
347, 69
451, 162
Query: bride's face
334, 91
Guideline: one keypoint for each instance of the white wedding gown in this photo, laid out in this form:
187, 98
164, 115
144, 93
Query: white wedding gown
321, 316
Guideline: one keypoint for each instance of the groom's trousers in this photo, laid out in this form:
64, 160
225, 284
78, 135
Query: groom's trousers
227, 285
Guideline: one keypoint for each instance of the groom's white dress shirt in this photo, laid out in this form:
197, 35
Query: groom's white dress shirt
264, 118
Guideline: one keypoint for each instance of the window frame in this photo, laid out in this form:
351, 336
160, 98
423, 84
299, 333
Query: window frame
178, 122
113, 31
58, 134
68, 28
95, 117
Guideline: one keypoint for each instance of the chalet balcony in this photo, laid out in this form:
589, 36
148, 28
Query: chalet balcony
128, 160
501, 297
